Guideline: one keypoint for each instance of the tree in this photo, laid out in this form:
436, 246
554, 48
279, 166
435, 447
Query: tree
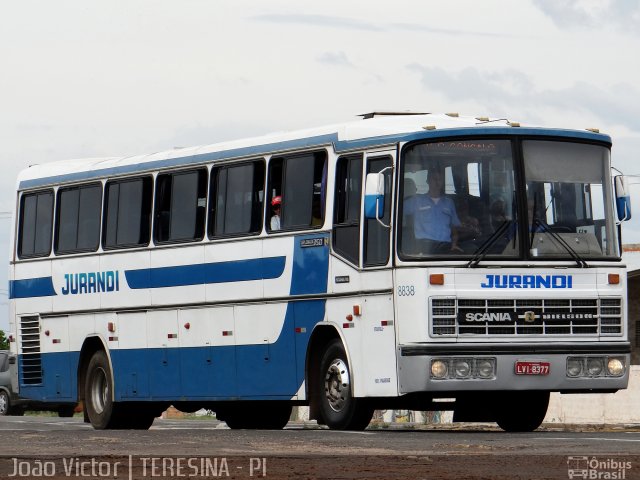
4, 341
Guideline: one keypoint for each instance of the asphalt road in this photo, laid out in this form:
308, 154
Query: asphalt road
305, 451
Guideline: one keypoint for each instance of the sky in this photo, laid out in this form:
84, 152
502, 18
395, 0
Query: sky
122, 77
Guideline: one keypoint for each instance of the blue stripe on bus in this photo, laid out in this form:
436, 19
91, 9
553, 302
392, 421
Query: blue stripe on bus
258, 372
309, 142
197, 274
31, 287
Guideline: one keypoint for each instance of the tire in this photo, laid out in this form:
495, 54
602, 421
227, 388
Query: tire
98, 393
269, 416
135, 417
103, 412
67, 411
522, 411
5, 404
337, 406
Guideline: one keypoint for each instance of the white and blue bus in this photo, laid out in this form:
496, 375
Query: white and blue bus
399, 261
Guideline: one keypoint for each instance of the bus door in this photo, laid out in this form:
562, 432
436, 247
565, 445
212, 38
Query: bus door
378, 332
361, 273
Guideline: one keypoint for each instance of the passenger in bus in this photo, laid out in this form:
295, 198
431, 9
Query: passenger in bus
276, 203
435, 220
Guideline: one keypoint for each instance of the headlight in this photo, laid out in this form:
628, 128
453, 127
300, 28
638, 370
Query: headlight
485, 368
574, 367
462, 368
615, 366
439, 369
594, 366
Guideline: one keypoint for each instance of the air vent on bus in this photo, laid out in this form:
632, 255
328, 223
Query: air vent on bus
31, 359
550, 316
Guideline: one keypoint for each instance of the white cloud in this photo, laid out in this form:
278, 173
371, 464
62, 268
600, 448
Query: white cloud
616, 14
516, 91
318, 21
338, 59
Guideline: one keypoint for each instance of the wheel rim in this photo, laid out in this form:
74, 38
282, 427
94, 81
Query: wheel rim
336, 384
99, 390
3, 403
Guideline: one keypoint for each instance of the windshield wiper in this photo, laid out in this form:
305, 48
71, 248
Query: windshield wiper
547, 229
483, 250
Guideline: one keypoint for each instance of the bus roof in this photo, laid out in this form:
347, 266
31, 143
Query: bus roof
377, 129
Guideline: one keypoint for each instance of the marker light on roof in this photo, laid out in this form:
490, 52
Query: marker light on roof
514, 124
429, 127
453, 114
482, 119
593, 130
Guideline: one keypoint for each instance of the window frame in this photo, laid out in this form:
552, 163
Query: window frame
24, 195
357, 224
120, 181
156, 197
284, 158
56, 220
4, 362
212, 199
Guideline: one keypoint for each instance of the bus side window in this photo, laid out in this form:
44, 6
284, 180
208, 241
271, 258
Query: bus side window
298, 181
236, 195
346, 210
127, 213
36, 223
180, 206
78, 219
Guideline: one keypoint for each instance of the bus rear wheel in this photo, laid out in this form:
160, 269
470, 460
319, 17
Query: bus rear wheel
264, 416
522, 411
102, 411
98, 395
339, 409
66, 411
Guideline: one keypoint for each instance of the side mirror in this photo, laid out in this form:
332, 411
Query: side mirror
623, 198
12, 360
374, 196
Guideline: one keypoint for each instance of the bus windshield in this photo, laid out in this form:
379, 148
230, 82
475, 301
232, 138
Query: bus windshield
569, 200
461, 199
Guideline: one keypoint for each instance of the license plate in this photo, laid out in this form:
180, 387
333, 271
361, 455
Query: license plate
532, 368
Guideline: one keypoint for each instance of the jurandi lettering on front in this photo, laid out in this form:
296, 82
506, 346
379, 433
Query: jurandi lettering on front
528, 281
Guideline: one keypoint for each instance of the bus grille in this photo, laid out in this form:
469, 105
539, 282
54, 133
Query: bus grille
589, 317
31, 359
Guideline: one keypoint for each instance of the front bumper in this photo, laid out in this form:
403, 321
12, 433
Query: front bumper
414, 362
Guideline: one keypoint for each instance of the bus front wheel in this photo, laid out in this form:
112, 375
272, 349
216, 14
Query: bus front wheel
339, 409
522, 411
259, 415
